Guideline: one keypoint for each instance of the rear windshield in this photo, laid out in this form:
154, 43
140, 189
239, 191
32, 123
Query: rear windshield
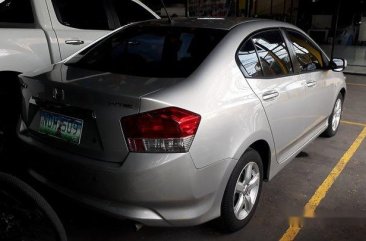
151, 51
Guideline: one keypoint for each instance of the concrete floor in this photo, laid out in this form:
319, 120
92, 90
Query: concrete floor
340, 216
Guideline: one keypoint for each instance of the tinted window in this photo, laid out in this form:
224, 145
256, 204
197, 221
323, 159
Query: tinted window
82, 14
151, 51
249, 60
273, 53
308, 56
129, 11
16, 11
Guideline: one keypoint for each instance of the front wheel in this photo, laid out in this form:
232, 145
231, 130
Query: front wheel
335, 118
242, 192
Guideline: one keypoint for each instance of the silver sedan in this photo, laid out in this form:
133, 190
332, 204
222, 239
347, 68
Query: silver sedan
178, 123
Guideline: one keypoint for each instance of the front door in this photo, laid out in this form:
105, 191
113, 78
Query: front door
311, 63
268, 69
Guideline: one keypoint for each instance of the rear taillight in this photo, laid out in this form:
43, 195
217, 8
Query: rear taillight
165, 130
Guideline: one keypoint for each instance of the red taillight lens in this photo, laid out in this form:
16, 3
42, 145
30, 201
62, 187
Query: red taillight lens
165, 130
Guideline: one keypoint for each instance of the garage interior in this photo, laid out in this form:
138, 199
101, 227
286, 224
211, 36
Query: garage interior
318, 196
321, 19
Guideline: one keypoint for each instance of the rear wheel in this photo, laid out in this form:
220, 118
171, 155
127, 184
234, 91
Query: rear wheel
335, 118
242, 192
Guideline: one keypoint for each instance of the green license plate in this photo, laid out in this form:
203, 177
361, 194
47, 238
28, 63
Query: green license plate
60, 126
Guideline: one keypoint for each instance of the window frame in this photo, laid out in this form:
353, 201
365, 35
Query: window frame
325, 58
249, 37
22, 25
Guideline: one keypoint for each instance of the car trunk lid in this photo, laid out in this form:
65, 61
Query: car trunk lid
95, 100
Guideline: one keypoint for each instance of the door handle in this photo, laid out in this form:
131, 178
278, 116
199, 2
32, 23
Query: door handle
310, 83
74, 42
270, 95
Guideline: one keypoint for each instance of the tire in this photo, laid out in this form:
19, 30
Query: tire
31, 199
335, 118
239, 195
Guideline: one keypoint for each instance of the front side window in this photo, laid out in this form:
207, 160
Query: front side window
16, 11
129, 11
151, 51
82, 14
249, 60
273, 54
308, 56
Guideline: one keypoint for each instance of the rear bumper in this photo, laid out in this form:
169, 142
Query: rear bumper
154, 189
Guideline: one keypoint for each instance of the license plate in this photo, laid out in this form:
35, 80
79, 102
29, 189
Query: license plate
60, 126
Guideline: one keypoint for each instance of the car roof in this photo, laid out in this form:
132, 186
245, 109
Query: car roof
208, 23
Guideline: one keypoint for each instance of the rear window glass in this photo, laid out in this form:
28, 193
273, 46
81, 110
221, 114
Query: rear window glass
249, 60
273, 54
151, 51
16, 11
82, 14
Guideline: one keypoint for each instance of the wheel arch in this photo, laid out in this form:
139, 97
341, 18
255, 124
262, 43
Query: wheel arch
12, 75
343, 92
261, 141
264, 150
9, 85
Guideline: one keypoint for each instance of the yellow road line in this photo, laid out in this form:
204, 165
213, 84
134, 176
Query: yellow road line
355, 84
322, 190
353, 123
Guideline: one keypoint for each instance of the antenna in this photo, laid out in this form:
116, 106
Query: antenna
229, 9
166, 11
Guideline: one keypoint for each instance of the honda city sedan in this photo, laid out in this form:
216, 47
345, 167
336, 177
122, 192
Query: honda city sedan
175, 123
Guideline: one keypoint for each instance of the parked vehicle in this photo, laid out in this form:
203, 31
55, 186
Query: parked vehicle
179, 123
35, 34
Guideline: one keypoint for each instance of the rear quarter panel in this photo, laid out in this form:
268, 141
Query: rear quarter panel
23, 50
27, 47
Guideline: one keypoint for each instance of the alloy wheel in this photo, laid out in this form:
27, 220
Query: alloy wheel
246, 190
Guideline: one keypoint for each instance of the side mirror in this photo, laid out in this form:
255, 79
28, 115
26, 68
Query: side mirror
338, 65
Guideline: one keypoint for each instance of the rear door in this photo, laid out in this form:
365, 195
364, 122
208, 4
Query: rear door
266, 63
311, 63
78, 23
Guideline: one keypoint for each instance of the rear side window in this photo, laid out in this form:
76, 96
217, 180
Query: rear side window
249, 60
273, 54
16, 11
129, 11
308, 56
151, 51
82, 14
